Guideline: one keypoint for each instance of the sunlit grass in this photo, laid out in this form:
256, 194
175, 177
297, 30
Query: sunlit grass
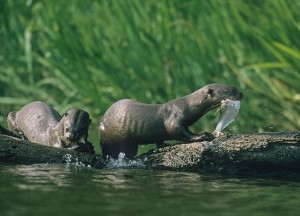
89, 54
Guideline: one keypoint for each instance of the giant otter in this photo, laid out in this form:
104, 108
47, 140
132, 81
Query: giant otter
128, 123
40, 123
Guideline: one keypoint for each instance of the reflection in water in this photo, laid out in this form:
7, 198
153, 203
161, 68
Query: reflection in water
48, 189
39, 177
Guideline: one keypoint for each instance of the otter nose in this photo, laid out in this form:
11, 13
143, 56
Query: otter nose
74, 137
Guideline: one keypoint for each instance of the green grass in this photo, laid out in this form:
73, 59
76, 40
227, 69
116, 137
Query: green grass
89, 54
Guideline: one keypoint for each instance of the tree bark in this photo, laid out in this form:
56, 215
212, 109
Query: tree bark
260, 154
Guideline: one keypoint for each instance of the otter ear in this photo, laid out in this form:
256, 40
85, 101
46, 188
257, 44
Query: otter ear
66, 114
210, 93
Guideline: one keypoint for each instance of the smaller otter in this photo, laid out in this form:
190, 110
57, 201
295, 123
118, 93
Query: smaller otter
39, 123
127, 124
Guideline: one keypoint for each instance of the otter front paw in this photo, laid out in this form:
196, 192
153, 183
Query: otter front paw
202, 137
85, 147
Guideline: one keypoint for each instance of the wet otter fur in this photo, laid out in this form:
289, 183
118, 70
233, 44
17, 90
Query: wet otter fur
39, 123
127, 123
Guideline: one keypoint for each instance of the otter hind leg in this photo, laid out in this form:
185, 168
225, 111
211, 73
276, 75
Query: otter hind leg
114, 149
110, 150
131, 150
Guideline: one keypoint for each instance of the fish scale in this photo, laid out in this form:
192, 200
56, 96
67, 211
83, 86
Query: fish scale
229, 110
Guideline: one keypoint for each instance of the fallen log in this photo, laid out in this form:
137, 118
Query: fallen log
260, 154
274, 154
23, 152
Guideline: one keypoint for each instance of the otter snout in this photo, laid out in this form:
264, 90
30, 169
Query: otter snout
73, 137
235, 95
76, 137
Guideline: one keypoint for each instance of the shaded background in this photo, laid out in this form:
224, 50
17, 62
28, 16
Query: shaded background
89, 54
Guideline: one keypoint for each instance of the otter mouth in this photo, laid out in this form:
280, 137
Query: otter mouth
74, 142
82, 145
75, 137
228, 111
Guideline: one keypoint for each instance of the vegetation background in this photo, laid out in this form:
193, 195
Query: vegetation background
89, 54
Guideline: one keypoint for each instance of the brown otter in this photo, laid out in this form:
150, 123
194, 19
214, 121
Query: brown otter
127, 123
40, 123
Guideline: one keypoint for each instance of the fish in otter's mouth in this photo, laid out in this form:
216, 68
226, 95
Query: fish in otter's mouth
228, 111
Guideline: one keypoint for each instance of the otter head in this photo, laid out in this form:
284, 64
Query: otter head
76, 125
217, 92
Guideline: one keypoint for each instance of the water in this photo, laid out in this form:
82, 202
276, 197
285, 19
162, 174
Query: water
54, 190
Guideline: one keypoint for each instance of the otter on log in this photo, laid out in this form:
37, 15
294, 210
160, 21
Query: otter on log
127, 123
39, 123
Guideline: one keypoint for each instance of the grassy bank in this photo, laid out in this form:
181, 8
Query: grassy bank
89, 54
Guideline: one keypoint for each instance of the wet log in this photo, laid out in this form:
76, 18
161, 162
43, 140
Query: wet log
23, 152
259, 154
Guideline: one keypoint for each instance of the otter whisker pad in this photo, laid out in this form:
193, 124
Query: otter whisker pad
228, 111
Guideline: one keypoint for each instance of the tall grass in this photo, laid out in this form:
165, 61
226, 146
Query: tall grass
89, 54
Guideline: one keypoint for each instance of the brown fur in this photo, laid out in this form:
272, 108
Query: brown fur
40, 123
127, 124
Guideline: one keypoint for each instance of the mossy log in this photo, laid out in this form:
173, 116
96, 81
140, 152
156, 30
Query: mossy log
260, 154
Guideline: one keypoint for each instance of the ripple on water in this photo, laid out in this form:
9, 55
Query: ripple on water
123, 162
45, 189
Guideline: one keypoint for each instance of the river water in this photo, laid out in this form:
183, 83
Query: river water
45, 189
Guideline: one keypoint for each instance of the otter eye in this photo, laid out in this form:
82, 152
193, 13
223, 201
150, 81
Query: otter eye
210, 92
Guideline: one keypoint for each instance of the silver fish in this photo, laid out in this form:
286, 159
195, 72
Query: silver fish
229, 110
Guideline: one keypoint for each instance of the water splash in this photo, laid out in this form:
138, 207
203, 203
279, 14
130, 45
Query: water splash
123, 162
74, 161
67, 158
